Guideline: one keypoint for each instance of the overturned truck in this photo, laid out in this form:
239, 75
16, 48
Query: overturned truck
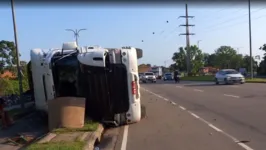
107, 78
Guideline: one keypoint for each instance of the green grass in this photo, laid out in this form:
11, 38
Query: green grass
256, 80
76, 145
211, 78
88, 126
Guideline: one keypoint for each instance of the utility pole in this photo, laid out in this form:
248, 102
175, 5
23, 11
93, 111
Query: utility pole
17, 54
187, 25
250, 42
76, 33
198, 42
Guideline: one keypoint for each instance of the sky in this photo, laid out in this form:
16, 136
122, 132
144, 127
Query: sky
44, 27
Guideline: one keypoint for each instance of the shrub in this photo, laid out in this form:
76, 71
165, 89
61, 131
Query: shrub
11, 86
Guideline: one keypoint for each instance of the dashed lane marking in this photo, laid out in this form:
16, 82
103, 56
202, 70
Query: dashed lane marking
173, 103
198, 90
183, 108
234, 96
215, 128
246, 147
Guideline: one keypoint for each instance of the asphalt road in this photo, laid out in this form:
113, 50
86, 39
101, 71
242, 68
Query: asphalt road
236, 111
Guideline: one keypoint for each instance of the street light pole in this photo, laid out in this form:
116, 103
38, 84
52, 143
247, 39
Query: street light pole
17, 55
76, 33
250, 42
198, 42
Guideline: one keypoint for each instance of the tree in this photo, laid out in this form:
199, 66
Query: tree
246, 63
262, 65
180, 59
196, 59
7, 53
226, 57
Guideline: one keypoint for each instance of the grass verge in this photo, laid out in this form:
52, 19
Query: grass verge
211, 78
88, 126
75, 145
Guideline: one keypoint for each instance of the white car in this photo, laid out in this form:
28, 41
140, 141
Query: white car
227, 76
148, 77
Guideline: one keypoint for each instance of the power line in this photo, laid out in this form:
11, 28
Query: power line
210, 31
207, 18
235, 18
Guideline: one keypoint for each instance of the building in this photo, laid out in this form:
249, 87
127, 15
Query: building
144, 68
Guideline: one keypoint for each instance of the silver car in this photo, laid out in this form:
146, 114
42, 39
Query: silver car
148, 77
227, 76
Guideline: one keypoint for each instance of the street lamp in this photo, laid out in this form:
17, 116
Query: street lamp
17, 55
198, 42
76, 33
250, 41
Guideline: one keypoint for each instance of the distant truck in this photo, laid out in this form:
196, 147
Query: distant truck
158, 71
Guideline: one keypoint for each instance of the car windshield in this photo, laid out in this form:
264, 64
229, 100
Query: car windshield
231, 72
168, 74
148, 74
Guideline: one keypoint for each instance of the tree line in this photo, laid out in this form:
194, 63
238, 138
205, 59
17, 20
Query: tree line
8, 61
224, 57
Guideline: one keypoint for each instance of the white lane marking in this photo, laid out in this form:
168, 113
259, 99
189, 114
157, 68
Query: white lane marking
198, 90
166, 99
173, 103
182, 107
231, 95
123, 147
244, 146
179, 87
124, 140
196, 116
215, 128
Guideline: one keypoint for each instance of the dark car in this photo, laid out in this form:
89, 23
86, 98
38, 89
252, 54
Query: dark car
168, 76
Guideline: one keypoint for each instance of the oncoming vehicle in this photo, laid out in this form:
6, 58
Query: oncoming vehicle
228, 76
148, 77
107, 78
168, 76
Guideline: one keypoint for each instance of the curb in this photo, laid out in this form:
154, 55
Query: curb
95, 137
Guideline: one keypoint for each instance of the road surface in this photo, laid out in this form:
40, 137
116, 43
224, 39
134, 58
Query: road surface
238, 111
198, 116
